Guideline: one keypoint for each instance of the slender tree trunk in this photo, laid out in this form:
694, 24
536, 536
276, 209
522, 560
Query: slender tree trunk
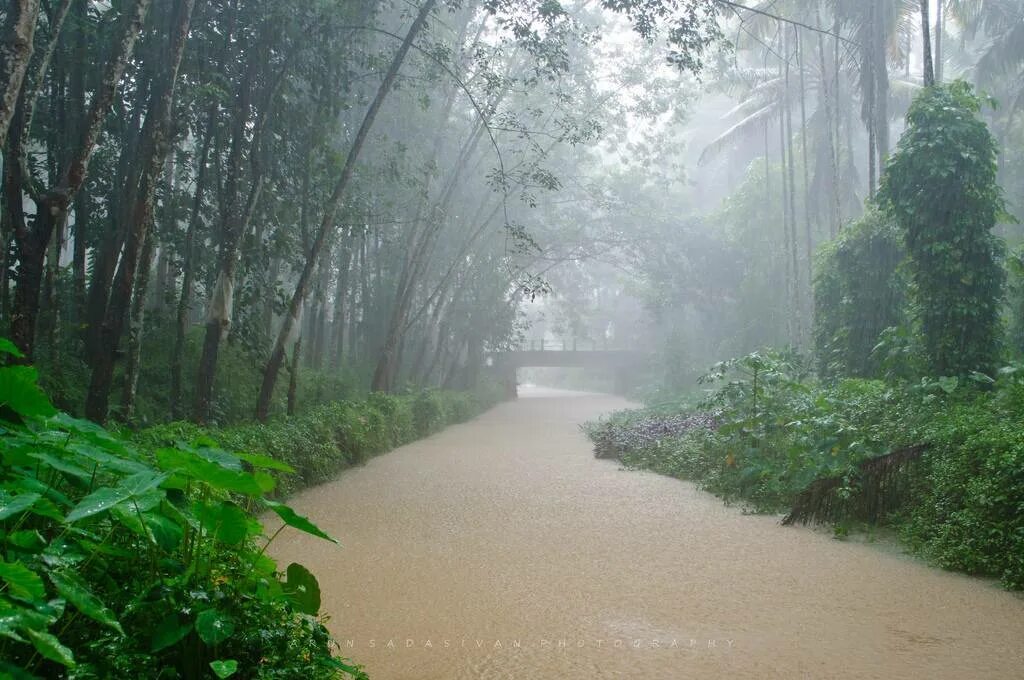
156, 147
327, 224
926, 39
136, 327
184, 306
940, 28
293, 378
340, 310
828, 103
881, 98
234, 223
808, 238
791, 170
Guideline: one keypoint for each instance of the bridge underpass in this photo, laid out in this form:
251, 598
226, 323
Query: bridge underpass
621, 363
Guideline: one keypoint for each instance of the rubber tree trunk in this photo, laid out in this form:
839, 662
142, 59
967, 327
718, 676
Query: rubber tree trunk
52, 205
327, 226
234, 223
136, 326
188, 272
156, 145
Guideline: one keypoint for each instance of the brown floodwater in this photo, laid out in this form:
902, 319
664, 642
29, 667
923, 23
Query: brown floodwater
501, 548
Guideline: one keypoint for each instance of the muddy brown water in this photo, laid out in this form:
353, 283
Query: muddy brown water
501, 548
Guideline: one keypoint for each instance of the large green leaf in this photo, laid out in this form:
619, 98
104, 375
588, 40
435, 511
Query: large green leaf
11, 505
113, 460
50, 647
21, 581
190, 465
8, 347
219, 456
62, 465
294, 519
166, 532
227, 522
302, 589
214, 627
266, 462
78, 594
98, 501
224, 668
20, 392
169, 632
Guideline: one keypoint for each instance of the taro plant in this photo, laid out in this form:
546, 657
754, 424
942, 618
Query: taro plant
116, 563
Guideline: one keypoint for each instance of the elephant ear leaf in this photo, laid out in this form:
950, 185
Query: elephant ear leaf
50, 647
224, 668
214, 627
20, 392
294, 519
302, 589
21, 581
78, 594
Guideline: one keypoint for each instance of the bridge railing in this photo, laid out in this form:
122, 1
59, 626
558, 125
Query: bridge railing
574, 345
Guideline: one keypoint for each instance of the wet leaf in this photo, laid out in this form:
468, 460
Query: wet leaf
77, 593
302, 589
214, 627
294, 519
224, 668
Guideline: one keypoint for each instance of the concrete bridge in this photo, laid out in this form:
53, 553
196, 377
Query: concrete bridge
621, 362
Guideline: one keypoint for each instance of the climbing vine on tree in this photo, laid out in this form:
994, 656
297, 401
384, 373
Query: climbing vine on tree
940, 187
859, 291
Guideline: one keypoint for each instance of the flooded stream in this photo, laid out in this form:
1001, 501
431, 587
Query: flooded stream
501, 548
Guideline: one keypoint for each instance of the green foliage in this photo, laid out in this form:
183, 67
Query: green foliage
121, 564
329, 438
969, 514
858, 293
774, 432
940, 186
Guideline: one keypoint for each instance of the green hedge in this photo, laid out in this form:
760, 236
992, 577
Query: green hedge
330, 438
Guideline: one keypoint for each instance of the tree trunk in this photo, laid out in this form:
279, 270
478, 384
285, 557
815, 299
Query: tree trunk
327, 224
188, 271
15, 54
136, 327
235, 222
293, 378
156, 145
340, 310
926, 40
52, 206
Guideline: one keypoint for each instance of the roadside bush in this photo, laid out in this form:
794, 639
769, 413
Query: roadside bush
969, 510
429, 412
329, 438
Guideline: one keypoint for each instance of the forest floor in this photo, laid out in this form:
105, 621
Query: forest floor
501, 548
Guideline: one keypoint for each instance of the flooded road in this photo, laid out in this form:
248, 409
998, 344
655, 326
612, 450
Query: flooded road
501, 548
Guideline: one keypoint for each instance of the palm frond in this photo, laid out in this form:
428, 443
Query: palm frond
744, 129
